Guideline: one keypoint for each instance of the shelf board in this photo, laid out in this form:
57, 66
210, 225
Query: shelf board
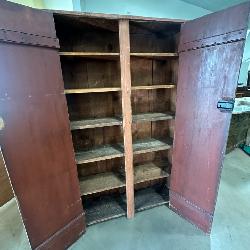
94, 55
106, 152
154, 55
148, 172
100, 182
100, 153
91, 90
115, 55
114, 206
150, 145
95, 123
117, 89
104, 208
150, 197
152, 117
159, 86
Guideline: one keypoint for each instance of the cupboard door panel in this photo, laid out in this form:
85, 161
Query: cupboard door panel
210, 54
36, 140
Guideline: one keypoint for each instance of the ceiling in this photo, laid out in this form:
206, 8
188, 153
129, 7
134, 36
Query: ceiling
214, 5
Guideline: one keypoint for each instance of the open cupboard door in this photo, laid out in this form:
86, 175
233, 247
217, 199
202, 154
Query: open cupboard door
35, 134
210, 53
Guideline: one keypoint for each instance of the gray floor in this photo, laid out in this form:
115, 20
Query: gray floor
160, 228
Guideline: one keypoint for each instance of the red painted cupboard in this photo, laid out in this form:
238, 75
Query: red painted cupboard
104, 115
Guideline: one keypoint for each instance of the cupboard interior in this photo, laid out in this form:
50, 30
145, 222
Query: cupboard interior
90, 61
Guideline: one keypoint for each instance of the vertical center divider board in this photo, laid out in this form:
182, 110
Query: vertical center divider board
124, 41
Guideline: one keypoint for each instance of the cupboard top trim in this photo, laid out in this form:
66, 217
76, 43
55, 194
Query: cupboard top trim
115, 16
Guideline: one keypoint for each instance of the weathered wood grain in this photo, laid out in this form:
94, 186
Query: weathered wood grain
99, 154
127, 112
143, 117
95, 123
100, 182
150, 145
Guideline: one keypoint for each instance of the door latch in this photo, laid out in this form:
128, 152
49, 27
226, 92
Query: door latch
226, 104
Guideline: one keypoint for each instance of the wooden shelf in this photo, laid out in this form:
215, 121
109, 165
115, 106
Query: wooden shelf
159, 86
99, 153
154, 55
150, 197
94, 55
104, 208
117, 89
106, 152
91, 90
100, 182
148, 172
116, 121
150, 145
152, 117
107, 181
95, 123
114, 55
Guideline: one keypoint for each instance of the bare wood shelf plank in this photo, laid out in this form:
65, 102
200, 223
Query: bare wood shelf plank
106, 152
104, 208
154, 55
158, 86
150, 145
152, 117
117, 89
114, 55
148, 198
91, 90
100, 182
148, 172
99, 153
95, 123
95, 55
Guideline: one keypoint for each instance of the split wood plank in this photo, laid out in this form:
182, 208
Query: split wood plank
95, 123
99, 153
124, 41
100, 182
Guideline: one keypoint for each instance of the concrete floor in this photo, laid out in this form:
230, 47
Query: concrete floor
160, 228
